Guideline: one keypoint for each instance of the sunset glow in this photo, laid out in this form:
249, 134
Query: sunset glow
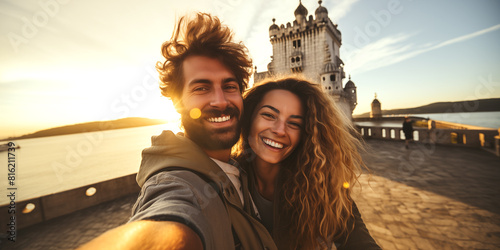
66, 62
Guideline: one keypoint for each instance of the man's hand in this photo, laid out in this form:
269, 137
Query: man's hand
147, 235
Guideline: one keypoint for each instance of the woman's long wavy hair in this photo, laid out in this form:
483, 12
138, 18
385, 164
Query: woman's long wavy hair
314, 202
202, 35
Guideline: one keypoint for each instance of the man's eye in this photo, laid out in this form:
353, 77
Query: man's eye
231, 87
200, 89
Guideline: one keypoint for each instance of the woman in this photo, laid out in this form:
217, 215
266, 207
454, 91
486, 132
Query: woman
301, 156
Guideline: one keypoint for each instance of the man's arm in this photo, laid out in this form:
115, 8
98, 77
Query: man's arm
147, 235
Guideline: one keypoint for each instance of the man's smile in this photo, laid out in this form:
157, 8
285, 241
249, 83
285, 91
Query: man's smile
219, 119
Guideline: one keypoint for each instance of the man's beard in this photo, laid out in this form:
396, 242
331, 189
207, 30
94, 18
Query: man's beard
212, 138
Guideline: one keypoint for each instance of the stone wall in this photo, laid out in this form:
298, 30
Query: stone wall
36, 210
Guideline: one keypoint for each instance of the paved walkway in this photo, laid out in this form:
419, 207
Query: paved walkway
427, 197
431, 197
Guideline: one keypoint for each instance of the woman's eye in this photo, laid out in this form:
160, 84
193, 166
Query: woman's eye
295, 125
267, 115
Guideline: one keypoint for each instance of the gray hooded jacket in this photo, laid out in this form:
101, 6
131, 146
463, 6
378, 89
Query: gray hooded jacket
179, 182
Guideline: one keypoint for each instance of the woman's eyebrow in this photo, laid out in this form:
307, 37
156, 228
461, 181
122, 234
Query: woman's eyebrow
270, 107
277, 111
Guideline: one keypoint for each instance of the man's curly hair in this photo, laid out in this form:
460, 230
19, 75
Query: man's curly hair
203, 35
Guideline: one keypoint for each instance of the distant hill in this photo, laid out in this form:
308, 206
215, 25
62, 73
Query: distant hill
481, 105
91, 126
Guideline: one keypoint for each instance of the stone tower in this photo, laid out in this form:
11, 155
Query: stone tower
310, 47
376, 108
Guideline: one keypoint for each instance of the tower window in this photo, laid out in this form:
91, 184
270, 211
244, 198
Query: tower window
296, 44
293, 60
297, 59
323, 78
332, 78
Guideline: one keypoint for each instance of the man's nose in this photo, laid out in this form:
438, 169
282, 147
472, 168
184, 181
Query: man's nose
219, 99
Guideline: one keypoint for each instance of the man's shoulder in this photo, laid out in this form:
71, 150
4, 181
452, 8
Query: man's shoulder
183, 176
169, 151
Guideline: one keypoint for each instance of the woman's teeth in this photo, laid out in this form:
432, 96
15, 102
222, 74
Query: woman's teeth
273, 143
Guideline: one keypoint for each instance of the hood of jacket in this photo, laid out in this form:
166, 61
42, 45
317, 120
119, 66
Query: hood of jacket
170, 151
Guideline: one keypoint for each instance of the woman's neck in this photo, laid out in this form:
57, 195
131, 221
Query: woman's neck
266, 175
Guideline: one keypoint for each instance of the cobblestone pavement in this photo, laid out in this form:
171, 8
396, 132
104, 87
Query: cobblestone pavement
431, 197
427, 197
71, 231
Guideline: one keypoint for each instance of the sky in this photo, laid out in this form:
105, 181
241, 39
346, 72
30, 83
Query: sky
67, 61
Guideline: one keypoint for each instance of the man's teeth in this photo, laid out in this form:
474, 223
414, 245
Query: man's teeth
219, 119
273, 143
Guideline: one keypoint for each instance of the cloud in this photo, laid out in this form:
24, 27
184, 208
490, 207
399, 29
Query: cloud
395, 49
340, 8
466, 37
375, 55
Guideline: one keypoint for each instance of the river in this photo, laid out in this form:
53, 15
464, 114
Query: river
53, 164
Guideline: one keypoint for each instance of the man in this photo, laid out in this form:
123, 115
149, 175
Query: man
191, 196
408, 131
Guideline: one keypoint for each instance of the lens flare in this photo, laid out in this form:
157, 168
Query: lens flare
195, 113
28, 208
346, 185
90, 191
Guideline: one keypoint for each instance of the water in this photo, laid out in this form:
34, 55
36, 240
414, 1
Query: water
53, 164
481, 119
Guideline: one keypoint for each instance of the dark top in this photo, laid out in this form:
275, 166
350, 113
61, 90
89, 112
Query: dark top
407, 128
265, 208
359, 238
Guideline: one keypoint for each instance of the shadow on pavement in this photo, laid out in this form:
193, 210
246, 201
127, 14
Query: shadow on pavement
468, 175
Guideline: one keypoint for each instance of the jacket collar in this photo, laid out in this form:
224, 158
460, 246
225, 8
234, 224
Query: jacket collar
176, 151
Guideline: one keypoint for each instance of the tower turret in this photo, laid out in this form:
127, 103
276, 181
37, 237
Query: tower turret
328, 77
321, 12
300, 14
350, 91
273, 29
376, 108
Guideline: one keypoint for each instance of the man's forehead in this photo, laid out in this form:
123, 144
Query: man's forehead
198, 62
